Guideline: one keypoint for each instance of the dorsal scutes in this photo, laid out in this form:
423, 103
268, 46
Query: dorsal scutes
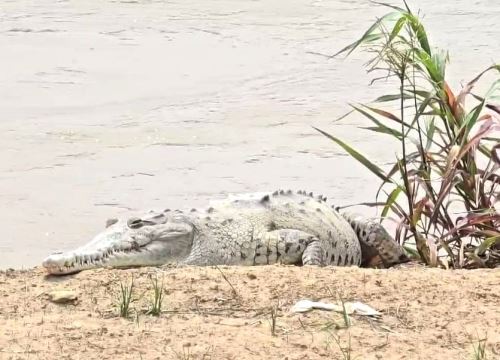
265, 199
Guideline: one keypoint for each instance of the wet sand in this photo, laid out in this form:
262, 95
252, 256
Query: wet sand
109, 107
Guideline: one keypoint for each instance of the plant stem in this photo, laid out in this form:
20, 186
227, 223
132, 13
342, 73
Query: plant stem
403, 145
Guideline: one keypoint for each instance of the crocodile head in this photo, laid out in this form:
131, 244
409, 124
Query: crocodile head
148, 241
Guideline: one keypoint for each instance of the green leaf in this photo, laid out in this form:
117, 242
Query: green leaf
440, 59
388, 98
380, 127
486, 244
412, 251
397, 28
419, 30
429, 134
419, 113
368, 36
385, 114
384, 130
433, 65
344, 116
390, 6
492, 67
469, 121
390, 200
494, 88
421, 93
356, 155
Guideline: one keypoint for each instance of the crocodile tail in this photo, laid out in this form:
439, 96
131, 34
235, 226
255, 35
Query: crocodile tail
375, 241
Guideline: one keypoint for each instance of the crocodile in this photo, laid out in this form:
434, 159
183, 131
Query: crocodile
248, 229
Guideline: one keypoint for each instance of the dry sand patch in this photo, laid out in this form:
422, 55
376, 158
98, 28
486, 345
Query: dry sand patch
427, 314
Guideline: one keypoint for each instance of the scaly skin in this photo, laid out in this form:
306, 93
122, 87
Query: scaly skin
252, 229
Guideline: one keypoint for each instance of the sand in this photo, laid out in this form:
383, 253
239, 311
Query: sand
427, 314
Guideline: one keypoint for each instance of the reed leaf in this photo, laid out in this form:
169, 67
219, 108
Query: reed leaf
368, 36
356, 155
391, 199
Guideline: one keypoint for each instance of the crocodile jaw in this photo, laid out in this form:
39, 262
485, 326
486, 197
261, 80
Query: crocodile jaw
121, 247
82, 259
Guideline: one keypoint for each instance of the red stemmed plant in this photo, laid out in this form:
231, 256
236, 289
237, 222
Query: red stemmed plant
444, 187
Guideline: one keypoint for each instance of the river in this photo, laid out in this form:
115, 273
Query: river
110, 107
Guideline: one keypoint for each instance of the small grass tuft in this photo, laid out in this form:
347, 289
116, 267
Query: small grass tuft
185, 354
346, 351
479, 348
274, 315
233, 289
157, 300
125, 298
345, 315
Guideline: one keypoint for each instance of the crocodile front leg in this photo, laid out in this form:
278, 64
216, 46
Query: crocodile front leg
288, 246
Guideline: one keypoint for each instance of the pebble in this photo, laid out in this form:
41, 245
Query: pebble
62, 296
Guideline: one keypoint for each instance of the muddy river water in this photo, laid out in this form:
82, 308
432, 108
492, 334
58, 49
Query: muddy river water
108, 107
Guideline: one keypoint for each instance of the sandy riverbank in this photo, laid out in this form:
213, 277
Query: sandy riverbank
427, 314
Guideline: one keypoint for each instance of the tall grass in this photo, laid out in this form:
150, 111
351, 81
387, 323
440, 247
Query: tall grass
443, 186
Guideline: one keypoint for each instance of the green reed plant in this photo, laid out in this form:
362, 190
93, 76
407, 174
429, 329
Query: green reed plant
443, 187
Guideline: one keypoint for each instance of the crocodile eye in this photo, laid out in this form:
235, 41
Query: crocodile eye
134, 223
